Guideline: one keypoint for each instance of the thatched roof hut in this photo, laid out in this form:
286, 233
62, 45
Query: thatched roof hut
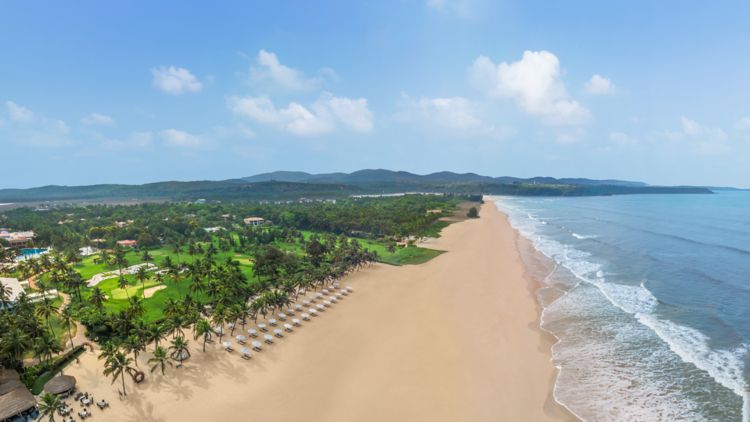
60, 384
8, 374
16, 402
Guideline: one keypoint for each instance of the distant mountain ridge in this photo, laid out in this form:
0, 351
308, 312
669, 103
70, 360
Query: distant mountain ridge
381, 176
292, 185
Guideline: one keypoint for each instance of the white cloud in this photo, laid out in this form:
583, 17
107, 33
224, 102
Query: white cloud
455, 114
19, 113
743, 124
534, 83
237, 131
268, 68
181, 139
175, 80
622, 139
98, 119
323, 116
461, 8
599, 85
703, 140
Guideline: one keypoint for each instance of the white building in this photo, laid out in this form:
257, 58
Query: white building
254, 221
15, 289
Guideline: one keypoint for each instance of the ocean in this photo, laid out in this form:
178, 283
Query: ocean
649, 298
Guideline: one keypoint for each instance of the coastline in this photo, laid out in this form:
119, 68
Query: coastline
411, 343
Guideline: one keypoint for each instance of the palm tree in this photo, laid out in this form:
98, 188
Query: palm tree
179, 349
14, 343
45, 310
5, 293
135, 345
203, 328
160, 360
123, 284
154, 332
45, 346
142, 275
117, 365
67, 321
50, 405
98, 297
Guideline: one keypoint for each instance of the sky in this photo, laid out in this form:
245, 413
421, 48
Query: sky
135, 92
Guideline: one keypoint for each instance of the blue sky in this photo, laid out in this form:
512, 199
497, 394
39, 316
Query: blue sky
95, 92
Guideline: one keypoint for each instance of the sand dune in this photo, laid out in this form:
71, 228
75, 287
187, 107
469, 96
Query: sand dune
450, 340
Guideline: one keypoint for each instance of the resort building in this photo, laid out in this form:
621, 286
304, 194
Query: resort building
16, 401
17, 239
15, 290
213, 229
128, 243
254, 221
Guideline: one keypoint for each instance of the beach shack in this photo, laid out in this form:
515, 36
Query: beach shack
254, 221
16, 401
61, 385
128, 243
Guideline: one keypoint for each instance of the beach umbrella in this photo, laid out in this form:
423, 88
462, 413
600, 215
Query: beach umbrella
282, 316
262, 327
240, 338
227, 344
272, 321
257, 345
268, 338
296, 322
349, 288
218, 330
245, 351
278, 333
298, 307
288, 327
321, 307
252, 332
306, 317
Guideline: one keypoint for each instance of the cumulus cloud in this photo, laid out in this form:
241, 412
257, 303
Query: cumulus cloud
599, 85
455, 114
323, 116
98, 119
175, 80
743, 124
534, 83
268, 68
19, 113
181, 139
622, 139
701, 139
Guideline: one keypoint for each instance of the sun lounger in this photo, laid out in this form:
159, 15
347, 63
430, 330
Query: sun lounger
257, 346
296, 322
278, 333
227, 345
288, 328
262, 327
241, 339
252, 332
272, 322
268, 338
246, 353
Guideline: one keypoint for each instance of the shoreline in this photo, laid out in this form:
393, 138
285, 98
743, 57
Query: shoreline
413, 342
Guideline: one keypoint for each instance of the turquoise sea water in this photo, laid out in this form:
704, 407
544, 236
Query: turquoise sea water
649, 297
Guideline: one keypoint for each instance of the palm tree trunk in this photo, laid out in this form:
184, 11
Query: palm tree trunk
70, 333
122, 375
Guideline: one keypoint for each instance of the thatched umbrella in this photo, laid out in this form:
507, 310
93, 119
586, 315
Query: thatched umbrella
16, 402
60, 384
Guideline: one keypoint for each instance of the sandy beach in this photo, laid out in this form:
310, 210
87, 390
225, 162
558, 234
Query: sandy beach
454, 339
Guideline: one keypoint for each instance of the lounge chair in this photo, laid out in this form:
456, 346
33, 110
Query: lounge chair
257, 346
246, 353
288, 328
262, 327
268, 338
252, 332
278, 333
272, 322
306, 317
227, 346
241, 339
296, 322
282, 316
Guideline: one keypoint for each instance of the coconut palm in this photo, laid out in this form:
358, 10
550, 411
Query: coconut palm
203, 328
67, 321
97, 297
45, 346
179, 349
49, 405
142, 275
45, 310
160, 360
14, 343
117, 365
123, 284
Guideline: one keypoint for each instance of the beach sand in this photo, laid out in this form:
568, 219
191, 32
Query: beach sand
454, 339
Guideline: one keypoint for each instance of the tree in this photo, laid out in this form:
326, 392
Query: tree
203, 328
142, 275
5, 293
14, 343
49, 405
160, 360
45, 310
97, 297
117, 365
67, 321
123, 284
473, 213
179, 349
45, 346
146, 257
